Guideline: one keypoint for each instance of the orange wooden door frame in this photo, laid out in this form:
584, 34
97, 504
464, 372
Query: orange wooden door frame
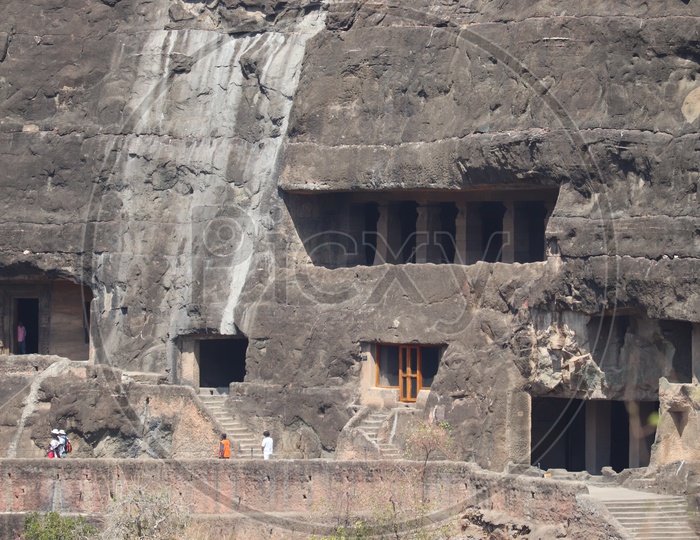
409, 372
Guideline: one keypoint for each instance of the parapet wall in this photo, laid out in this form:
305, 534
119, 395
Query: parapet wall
298, 497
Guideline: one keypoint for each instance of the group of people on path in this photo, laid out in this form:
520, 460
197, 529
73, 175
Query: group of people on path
60, 444
266, 446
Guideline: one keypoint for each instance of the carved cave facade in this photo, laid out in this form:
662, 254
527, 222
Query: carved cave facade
55, 313
333, 212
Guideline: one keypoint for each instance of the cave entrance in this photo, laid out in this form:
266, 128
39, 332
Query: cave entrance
587, 435
558, 434
221, 361
27, 312
55, 313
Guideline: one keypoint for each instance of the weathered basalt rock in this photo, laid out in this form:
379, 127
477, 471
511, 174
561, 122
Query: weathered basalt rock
174, 156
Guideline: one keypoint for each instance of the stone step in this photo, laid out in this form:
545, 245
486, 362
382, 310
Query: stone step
687, 535
247, 439
371, 425
661, 534
601, 483
640, 514
653, 518
215, 401
235, 431
651, 523
647, 509
214, 406
210, 391
389, 451
664, 504
241, 433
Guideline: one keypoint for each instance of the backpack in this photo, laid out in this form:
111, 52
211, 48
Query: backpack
69, 447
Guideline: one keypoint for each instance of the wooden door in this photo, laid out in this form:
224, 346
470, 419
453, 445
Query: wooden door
409, 373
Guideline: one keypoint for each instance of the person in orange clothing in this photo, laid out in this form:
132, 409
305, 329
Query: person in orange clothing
224, 447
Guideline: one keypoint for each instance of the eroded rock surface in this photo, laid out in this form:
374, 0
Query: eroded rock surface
174, 157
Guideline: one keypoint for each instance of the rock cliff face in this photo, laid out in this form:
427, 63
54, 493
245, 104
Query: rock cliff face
190, 162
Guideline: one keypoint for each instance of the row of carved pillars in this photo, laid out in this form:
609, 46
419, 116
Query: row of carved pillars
467, 237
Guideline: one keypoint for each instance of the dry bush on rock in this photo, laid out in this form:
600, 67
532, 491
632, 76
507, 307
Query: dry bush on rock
141, 515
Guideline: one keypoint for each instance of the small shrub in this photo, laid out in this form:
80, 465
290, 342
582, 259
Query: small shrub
53, 526
426, 439
141, 515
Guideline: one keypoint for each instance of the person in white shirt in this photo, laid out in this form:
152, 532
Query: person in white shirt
266, 445
62, 443
54, 445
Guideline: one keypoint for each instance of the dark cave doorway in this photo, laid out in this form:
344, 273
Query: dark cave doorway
222, 361
587, 435
27, 311
492, 234
558, 435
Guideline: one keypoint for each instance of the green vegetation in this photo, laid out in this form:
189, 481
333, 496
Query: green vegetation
53, 526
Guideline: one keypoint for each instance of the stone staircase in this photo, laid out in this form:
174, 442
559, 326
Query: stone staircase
371, 425
648, 516
236, 432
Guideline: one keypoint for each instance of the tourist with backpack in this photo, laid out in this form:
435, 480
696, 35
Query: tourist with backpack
65, 446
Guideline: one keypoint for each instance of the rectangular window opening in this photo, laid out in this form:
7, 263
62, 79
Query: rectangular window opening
366, 228
408, 368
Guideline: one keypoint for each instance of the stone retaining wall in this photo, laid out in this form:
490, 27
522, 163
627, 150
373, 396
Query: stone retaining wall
292, 499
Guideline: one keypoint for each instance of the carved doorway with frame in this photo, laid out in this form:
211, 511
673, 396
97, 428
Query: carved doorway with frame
408, 368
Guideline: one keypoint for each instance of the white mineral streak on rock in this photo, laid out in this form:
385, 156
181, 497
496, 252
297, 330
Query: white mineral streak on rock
29, 402
200, 103
190, 118
151, 82
280, 74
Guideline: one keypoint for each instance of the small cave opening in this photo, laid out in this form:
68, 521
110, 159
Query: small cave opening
222, 361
